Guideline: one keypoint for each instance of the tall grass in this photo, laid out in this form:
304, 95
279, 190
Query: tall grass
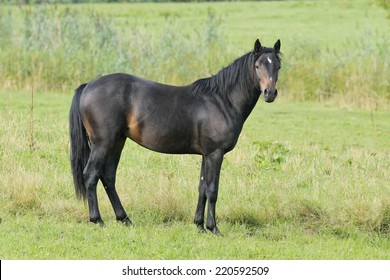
53, 47
357, 72
56, 48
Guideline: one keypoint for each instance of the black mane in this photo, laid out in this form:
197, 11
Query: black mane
238, 74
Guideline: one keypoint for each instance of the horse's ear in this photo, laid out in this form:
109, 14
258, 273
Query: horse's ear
257, 46
277, 46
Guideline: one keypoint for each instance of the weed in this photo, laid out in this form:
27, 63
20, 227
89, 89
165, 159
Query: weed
269, 155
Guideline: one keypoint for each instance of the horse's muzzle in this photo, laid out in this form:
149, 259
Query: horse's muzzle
270, 94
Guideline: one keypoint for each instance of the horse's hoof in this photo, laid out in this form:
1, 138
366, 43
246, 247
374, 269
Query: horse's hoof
101, 223
98, 221
201, 229
126, 221
215, 231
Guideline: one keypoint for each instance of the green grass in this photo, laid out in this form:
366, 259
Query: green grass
49, 239
306, 181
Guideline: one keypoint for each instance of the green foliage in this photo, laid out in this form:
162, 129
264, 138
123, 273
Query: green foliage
269, 155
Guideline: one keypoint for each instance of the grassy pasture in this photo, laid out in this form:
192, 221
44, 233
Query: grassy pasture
306, 180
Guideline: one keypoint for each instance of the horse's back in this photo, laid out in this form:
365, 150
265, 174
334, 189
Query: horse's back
129, 86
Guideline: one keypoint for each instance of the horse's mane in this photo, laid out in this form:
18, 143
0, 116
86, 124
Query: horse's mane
238, 74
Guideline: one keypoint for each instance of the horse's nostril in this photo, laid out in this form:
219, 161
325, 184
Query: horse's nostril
266, 91
276, 92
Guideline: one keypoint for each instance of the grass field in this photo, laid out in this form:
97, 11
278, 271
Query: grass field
309, 178
305, 181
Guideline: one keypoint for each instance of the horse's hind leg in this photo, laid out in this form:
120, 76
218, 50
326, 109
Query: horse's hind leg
108, 179
91, 175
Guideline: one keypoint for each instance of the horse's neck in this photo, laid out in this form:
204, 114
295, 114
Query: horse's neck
235, 84
242, 91
243, 100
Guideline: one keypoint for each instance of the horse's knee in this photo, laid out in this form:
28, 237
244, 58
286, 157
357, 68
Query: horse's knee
212, 195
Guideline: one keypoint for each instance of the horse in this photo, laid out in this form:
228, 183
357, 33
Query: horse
203, 118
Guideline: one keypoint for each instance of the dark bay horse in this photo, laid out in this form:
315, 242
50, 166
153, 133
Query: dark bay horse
205, 118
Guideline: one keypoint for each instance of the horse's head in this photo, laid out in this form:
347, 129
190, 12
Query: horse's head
267, 65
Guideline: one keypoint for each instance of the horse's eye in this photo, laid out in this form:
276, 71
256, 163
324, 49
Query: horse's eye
257, 67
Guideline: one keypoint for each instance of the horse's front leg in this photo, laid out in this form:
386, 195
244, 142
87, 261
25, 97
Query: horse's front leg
213, 163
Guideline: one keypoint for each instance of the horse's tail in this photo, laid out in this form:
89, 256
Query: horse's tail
79, 145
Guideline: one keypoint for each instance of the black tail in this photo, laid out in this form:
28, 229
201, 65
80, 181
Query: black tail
79, 146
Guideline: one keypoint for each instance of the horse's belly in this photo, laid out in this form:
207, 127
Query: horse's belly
165, 138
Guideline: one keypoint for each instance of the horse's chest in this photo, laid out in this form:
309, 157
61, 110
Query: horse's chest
221, 135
